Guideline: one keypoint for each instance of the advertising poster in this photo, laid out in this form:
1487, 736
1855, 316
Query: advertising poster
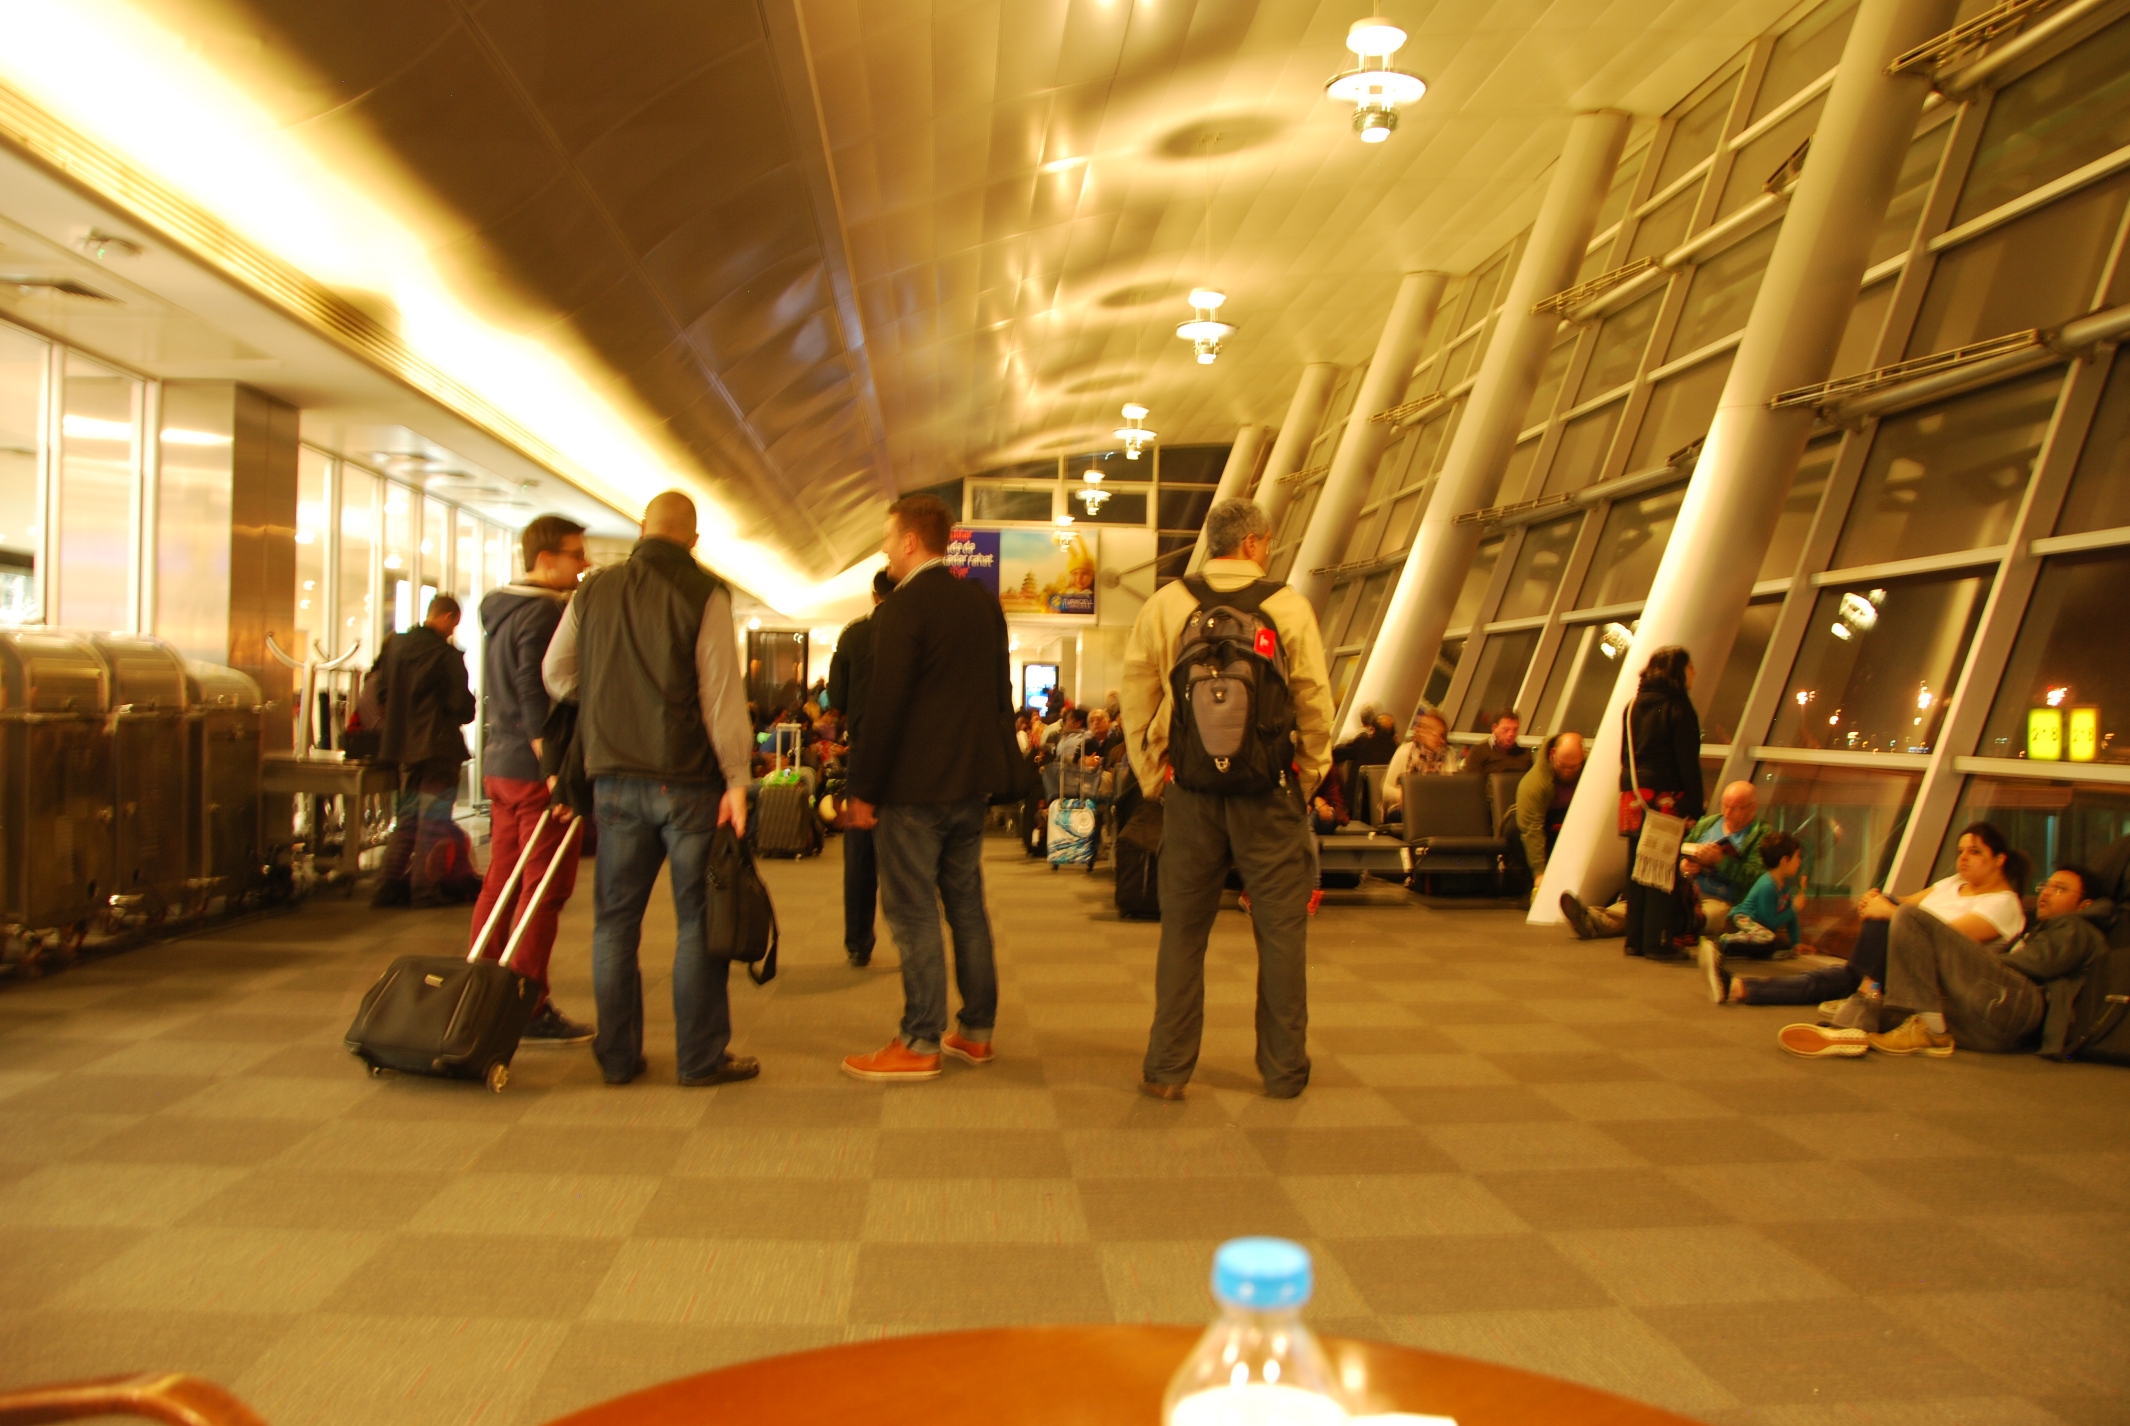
1040, 574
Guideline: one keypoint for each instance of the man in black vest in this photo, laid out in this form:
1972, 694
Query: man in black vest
850, 677
663, 720
931, 755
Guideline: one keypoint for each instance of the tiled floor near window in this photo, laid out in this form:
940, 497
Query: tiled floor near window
1516, 1146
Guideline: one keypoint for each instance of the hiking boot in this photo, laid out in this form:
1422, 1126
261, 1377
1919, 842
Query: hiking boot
892, 1063
730, 1070
1817, 1042
1577, 916
969, 1052
552, 1027
1912, 1037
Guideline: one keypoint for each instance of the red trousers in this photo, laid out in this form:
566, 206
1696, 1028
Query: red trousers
515, 808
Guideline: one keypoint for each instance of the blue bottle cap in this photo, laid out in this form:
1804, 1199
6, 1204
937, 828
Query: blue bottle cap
1262, 1273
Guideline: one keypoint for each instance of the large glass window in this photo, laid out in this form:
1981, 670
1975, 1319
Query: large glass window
1474, 588
1663, 228
314, 529
436, 551
1794, 525
1849, 820
2036, 272
1580, 455
402, 563
358, 542
1631, 546
23, 360
1694, 137
1805, 51
1679, 412
192, 526
1002, 502
1720, 723
2099, 497
1500, 673
1184, 509
2046, 124
1618, 353
1584, 674
2067, 666
1538, 568
1949, 476
1441, 672
1877, 664
1721, 294
100, 453
1861, 333
1550, 377
1758, 160
1119, 507
1918, 168
1622, 189
1374, 590
2052, 822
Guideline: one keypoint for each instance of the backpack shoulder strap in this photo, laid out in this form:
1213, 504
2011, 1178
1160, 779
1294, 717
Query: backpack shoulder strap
1200, 590
1244, 600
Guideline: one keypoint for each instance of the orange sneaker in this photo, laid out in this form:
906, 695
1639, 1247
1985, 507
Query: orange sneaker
892, 1062
969, 1052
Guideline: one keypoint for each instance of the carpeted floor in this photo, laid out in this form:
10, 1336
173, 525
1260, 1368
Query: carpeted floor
1516, 1146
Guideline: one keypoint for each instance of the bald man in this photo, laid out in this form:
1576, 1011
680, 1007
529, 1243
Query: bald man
667, 743
1722, 852
1542, 799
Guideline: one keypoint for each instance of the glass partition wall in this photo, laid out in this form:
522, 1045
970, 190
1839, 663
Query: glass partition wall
1928, 640
1167, 489
115, 506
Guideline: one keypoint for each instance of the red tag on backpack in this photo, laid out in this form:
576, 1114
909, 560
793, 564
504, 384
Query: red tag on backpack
1267, 642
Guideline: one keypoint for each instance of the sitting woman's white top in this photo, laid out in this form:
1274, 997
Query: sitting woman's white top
2001, 909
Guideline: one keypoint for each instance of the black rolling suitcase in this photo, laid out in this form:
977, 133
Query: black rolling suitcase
1139, 865
458, 1019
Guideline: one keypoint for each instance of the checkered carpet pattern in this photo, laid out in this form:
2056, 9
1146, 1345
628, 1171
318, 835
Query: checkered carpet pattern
1516, 1146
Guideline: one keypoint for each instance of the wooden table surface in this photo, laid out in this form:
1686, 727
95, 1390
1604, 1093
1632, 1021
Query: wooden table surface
1078, 1376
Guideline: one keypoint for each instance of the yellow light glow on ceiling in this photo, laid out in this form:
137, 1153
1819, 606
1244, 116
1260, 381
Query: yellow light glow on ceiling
113, 74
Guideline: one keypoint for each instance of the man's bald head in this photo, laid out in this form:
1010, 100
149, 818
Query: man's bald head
670, 517
1741, 804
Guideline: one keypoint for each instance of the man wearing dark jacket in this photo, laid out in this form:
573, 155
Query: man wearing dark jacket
931, 754
421, 685
850, 678
517, 622
663, 719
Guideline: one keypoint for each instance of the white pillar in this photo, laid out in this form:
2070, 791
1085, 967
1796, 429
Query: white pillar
1743, 474
1304, 413
1361, 444
1234, 480
1397, 666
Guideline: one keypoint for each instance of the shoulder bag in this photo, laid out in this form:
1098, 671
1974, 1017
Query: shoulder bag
742, 922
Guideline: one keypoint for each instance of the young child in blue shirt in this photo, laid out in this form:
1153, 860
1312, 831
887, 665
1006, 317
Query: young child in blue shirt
1771, 902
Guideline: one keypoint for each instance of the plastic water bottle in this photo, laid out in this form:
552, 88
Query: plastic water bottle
1258, 1365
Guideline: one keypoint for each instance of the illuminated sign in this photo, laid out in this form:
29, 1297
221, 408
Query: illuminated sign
2082, 743
2044, 734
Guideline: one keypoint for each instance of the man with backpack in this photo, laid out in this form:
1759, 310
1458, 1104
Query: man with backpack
1227, 718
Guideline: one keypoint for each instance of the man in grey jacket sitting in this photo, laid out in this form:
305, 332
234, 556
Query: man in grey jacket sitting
1963, 994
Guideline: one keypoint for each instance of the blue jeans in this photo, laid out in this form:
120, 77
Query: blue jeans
931, 854
642, 824
861, 893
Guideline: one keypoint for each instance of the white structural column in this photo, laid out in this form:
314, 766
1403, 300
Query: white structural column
1751, 454
1397, 666
1234, 479
1361, 444
1304, 413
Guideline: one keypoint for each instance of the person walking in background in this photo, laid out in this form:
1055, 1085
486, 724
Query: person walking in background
421, 686
1663, 739
649, 650
933, 753
850, 678
1256, 820
518, 621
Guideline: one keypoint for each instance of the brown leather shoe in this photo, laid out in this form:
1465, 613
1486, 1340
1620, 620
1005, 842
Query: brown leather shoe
1170, 1092
730, 1069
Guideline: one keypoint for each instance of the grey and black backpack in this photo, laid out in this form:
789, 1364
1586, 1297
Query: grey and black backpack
1232, 731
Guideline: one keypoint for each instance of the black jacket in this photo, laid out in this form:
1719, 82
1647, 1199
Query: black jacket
2054, 955
421, 686
1667, 746
850, 674
1373, 745
941, 696
517, 621
638, 694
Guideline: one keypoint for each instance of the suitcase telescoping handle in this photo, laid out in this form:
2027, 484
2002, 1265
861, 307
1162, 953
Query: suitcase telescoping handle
505, 897
569, 839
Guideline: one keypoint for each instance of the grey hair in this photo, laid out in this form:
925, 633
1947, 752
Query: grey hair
1231, 522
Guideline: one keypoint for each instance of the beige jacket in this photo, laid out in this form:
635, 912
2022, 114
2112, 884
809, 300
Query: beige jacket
1151, 653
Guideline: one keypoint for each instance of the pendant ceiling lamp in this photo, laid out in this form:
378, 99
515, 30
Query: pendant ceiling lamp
1135, 436
1372, 86
1205, 331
